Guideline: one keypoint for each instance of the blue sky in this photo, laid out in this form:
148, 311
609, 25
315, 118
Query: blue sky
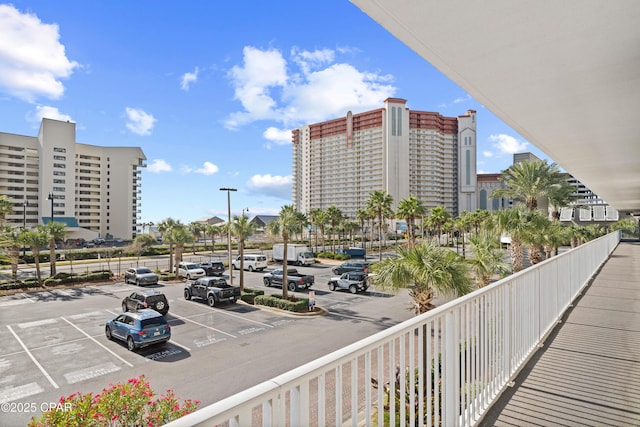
211, 90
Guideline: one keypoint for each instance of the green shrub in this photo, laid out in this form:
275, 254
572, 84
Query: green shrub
293, 304
249, 295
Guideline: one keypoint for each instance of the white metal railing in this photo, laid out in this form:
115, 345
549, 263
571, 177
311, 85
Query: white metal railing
445, 367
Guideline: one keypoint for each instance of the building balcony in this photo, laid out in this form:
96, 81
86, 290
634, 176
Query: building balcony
581, 372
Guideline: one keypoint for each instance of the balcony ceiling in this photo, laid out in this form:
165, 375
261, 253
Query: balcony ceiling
564, 74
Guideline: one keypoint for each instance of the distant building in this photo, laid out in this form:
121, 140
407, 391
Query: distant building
95, 190
212, 220
401, 151
261, 221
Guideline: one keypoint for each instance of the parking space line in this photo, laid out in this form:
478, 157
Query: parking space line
53, 383
97, 342
184, 347
202, 324
229, 314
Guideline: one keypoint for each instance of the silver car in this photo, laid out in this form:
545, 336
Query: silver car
140, 276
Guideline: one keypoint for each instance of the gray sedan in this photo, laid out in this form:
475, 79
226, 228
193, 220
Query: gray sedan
140, 276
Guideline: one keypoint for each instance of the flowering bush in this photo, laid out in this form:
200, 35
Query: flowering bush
129, 404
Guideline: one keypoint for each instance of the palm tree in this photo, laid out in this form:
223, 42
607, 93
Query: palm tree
536, 228
180, 235
164, 227
424, 268
57, 231
513, 222
6, 208
334, 216
10, 241
380, 203
559, 196
487, 259
439, 217
36, 238
409, 209
478, 218
314, 216
287, 225
321, 222
196, 228
527, 182
242, 228
213, 231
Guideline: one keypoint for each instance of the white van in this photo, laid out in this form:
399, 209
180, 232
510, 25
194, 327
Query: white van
251, 262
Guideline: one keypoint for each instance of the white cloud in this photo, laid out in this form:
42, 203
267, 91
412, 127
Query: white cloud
32, 59
487, 154
139, 122
311, 87
45, 111
277, 136
275, 186
188, 78
507, 144
159, 165
208, 168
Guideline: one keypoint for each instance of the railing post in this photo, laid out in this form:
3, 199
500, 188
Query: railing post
450, 374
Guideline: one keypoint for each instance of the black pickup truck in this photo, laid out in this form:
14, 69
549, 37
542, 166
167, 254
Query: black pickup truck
295, 279
212, 289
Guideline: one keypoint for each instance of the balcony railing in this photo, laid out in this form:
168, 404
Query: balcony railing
443, 368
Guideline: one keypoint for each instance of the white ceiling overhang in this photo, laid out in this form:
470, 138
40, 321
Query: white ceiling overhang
564, 74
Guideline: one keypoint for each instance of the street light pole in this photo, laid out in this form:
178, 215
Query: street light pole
229, 190
50, 197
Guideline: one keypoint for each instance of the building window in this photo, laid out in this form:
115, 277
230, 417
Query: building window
59, 165
59, 150
59, 158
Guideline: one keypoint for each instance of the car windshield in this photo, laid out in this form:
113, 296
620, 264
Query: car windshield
191, 266
143, 271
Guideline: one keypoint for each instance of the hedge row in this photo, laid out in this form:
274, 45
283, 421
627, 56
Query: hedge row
293, 304
58, 279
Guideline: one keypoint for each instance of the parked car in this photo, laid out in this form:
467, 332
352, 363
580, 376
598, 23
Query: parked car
147, 298
212, 268
140, 276
139, 329
295, 279
251, 262
190, 270
212, 289
354, 281
351, 266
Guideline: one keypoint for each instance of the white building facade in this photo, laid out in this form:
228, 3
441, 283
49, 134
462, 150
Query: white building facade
95, 191
393, 149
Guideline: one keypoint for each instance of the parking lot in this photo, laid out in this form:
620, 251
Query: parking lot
53, 342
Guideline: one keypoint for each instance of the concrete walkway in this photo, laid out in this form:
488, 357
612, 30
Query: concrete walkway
588, 371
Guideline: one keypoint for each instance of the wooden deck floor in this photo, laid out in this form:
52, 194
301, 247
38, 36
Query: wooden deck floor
588, 371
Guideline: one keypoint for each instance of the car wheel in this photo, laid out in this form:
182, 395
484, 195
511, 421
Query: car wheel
188, 277
130, 344
334, 271
126, 280
292, 287
267, 282
107, 332
353, 289
137, 282
233, 266
251, 268
233, 301
187, 294
124, 307
211, 301
332, 286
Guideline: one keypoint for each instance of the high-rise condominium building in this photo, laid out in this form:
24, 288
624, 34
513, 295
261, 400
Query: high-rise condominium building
95, 191
393, 149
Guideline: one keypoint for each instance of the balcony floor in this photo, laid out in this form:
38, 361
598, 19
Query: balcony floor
588, 371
